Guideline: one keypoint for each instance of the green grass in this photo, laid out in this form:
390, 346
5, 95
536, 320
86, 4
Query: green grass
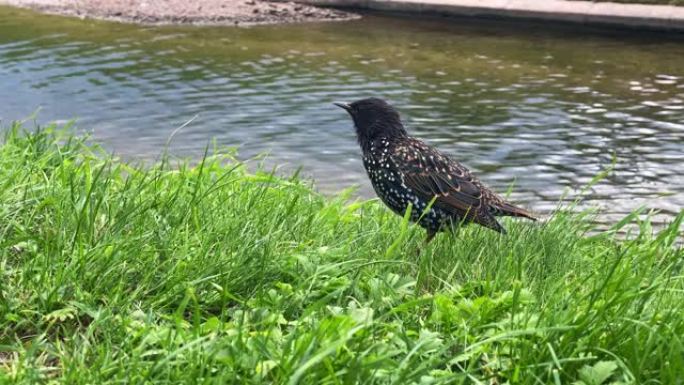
114, 273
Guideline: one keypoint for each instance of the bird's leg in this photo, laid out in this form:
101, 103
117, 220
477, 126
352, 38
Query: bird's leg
426, 273
430, 235
418, 250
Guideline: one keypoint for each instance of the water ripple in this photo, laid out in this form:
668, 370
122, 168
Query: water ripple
546, 118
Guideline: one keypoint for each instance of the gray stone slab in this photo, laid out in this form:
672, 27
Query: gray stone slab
662, 17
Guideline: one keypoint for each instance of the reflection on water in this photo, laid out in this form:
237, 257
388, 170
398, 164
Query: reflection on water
538, 109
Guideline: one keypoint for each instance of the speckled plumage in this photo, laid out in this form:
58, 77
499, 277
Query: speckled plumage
404, 170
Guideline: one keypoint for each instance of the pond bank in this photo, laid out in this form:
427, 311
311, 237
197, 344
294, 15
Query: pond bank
209, 12
659, 17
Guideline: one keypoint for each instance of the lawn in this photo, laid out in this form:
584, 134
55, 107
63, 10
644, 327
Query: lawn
115, 273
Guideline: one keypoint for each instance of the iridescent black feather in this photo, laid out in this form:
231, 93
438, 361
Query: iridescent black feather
404, 170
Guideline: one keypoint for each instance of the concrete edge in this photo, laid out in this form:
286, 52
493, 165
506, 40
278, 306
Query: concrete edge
639, 16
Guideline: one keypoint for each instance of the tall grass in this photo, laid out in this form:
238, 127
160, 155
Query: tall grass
113, 273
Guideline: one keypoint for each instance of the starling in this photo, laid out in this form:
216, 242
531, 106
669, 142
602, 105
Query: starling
404, 170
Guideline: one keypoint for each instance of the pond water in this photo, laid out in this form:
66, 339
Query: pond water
543, 109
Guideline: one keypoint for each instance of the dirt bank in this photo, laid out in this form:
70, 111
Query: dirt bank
227, 12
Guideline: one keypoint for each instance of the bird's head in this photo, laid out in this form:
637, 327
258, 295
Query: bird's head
374, 118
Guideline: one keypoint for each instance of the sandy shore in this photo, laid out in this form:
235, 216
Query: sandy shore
226, 12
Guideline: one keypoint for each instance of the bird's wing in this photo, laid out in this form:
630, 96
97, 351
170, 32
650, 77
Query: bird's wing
431, 174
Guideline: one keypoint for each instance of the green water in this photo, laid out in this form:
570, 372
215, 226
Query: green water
540, 107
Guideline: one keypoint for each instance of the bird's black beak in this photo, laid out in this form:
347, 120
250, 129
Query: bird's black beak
343, 105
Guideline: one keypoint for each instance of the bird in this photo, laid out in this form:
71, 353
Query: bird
405, 171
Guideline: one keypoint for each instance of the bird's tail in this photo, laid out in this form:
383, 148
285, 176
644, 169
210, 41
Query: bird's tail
505, 209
